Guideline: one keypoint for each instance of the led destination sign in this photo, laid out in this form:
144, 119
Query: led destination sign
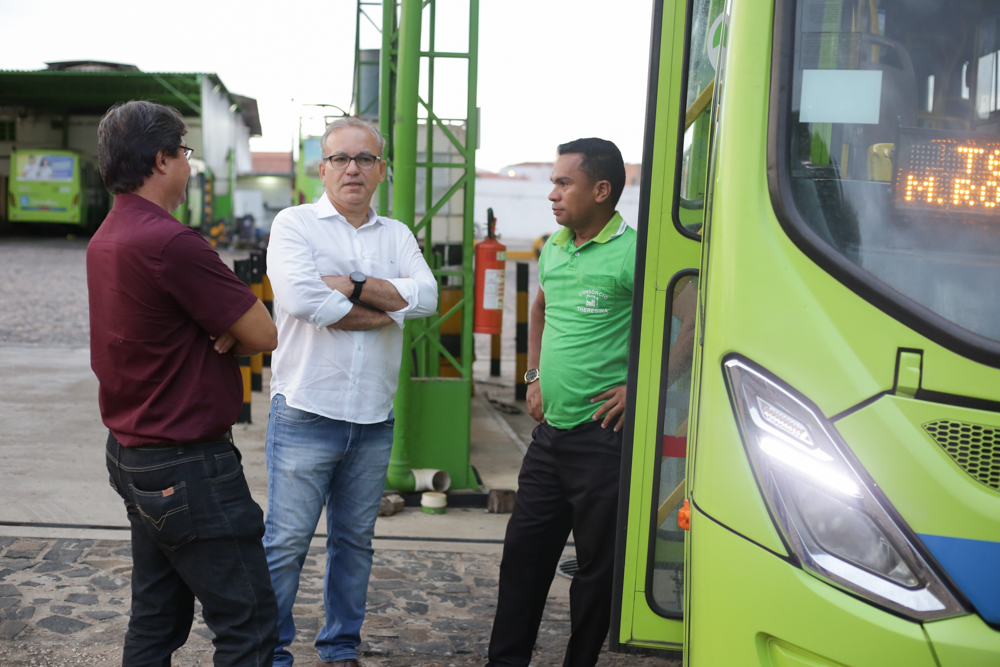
947, 171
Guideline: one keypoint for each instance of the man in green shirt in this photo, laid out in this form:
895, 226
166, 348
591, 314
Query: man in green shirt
578, 359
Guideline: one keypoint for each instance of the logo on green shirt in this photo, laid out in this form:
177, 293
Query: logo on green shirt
592, 301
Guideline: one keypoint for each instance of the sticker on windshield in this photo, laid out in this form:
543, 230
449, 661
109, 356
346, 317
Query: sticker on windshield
714, 43
841, 96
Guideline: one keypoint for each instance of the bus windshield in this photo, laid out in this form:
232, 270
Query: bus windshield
893, 147
44, 167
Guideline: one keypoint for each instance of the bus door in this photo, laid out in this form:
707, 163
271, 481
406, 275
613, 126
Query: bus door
686, 43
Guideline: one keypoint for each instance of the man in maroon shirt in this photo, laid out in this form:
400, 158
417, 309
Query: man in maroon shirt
166, 318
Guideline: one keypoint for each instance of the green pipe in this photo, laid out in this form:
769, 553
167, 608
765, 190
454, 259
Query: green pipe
471, 141
385, 97
428, 362
404, 190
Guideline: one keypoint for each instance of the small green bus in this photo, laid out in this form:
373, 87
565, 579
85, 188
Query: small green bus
56, 186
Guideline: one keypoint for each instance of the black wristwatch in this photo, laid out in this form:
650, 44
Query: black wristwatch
531, 376
358, 279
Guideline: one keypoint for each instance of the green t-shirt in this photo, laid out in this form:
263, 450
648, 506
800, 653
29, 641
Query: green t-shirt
588, 310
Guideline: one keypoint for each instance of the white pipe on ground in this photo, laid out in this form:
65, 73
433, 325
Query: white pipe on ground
429, 479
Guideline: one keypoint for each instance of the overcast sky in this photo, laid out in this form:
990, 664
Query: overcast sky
549, 70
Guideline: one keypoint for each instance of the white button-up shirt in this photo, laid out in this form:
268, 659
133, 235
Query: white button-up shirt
345, 375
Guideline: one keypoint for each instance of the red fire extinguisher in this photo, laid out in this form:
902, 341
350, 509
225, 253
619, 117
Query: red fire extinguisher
491, 260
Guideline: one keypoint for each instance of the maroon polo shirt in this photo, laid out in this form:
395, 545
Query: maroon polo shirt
158, 291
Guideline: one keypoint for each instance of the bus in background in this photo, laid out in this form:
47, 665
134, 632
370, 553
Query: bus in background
308, 187
56, 187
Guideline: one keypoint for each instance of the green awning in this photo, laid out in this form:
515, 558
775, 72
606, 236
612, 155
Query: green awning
92, 93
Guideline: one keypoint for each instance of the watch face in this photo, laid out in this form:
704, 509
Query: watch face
531, 375
357, 276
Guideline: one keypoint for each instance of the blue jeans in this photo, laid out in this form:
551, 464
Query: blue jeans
313, 461
196, 532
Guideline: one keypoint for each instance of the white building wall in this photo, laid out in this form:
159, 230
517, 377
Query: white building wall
37, 132
244, 161
222, 130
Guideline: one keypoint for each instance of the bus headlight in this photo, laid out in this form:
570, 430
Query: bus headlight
837, 526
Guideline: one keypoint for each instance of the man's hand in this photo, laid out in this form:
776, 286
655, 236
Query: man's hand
534, 399
254, 332
614, 406
224, 342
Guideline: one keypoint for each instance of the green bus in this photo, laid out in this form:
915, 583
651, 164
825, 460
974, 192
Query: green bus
308, 186
811, 470
56, 186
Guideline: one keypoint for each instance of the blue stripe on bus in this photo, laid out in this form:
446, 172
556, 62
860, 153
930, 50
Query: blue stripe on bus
974, 566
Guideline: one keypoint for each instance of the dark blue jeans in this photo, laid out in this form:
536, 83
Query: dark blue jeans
196, 533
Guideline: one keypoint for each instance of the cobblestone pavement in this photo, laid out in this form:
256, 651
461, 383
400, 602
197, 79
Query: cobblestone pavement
43, 288
40, 276
66, 602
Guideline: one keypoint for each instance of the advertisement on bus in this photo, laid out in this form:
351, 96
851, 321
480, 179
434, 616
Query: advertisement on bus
46, 167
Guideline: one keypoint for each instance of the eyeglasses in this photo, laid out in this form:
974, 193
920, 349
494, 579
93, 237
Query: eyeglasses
363, 160
188, 152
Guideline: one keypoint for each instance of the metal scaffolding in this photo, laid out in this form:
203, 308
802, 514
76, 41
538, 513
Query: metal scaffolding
432, 412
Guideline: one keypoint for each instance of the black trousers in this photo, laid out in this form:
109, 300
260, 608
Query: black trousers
196, 532
569, 480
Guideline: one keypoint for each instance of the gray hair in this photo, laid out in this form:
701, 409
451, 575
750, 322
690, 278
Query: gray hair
351, 121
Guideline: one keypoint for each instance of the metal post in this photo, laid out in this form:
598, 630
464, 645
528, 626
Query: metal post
267, 296
356, 95
404, 208
386, 99
256, 284
521, 336
424, 352
495, 355
424, 402
471, 143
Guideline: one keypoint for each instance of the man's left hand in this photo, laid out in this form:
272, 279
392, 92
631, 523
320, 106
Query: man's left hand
224, 342
614, 406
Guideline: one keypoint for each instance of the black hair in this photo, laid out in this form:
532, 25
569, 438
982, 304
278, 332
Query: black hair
602, 161
128, 139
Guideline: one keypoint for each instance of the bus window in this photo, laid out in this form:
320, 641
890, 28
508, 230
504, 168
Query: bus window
890, 156
704, 47
665, 579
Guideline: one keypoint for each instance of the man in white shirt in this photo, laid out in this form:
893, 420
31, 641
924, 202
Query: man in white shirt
344, 280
